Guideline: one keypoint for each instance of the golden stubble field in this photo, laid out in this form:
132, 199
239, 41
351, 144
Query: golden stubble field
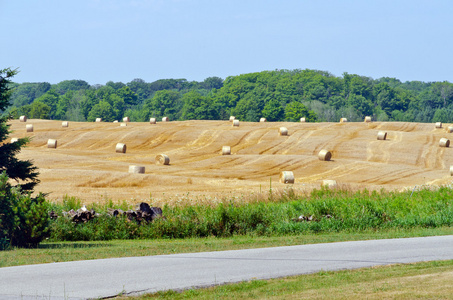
86, 165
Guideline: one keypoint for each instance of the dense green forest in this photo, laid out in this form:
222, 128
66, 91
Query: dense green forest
276, 95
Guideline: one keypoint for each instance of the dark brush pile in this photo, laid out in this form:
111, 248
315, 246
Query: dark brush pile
143, 212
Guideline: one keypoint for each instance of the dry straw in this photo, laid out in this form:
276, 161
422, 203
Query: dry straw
286, 177
51, 143
65, 124
329, 183
226, 150
444, 142
232, 118
438, 124
367, 119
302, 120
343, 120
126, 119
162, 159
324, 155
165, 119
152, 121
137, 169
450, 129
263, 120
23, 119
382, 135
235, 123
13, 140
283, 131
120, 148
98, 119
29, 127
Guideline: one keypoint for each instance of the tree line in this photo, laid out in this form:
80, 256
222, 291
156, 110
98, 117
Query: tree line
280, 95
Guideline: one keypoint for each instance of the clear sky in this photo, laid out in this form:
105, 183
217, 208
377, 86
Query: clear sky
119, 40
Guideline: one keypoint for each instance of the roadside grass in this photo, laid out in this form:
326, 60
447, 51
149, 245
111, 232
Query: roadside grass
50, 252
322, 211
426, 280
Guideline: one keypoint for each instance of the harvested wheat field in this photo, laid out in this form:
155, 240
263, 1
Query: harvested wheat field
86, 165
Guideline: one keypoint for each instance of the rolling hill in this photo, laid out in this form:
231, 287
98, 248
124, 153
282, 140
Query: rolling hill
86, 165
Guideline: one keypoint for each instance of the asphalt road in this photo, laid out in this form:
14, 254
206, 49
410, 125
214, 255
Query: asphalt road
109, 277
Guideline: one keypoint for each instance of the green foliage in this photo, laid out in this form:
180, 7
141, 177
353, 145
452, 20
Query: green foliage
19, 170
212, 83
32, 219
330, 211
247, 96
70, 85
24, 220
129, 97
165, 103
102, 110
26, 93
69, 106
294, 111
273, 111
39, 110
50, 99
442, 115
197, 107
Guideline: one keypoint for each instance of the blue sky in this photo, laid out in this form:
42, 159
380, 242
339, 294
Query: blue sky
119, 40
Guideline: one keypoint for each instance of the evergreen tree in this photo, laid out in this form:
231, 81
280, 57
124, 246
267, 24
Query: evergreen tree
23, 219
22, 171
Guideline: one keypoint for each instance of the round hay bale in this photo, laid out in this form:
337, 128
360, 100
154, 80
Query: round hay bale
367, 119
226, 150
123, 124
98, 119
152, 121
283, 131
450, 129
438, 124
382, 135
343, 120
120, 148
51, 143
232, 118
137, 169
65, 124
329, 183
29, 127
162, 159
451, 170
116, 121
444, 142
302, 120
126, 119
263, 120
23, 119
286, 177
324, 155
13, 140
235, 123
165, 119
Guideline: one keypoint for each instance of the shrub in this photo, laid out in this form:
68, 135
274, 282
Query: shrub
24, 220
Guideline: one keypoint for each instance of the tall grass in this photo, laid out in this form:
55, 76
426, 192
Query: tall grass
329, 211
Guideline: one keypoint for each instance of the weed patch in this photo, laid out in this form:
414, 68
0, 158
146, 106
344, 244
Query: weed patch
324, 211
